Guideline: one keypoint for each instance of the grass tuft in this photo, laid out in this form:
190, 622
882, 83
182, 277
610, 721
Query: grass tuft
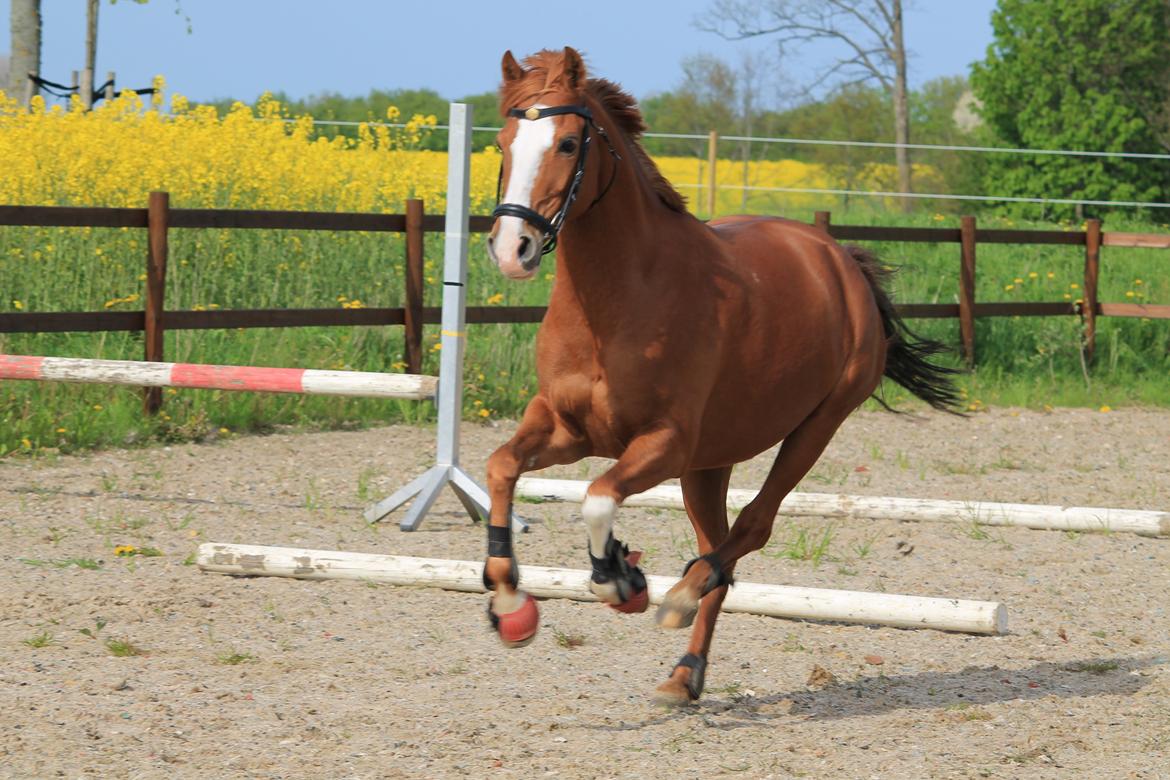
43, 639
123, 648
567, 641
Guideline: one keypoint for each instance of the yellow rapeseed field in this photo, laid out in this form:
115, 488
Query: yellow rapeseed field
116, 154
261, 158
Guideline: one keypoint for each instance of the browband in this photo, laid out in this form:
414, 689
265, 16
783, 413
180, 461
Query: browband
535, 113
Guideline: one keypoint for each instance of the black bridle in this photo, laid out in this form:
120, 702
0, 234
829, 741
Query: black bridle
550, 228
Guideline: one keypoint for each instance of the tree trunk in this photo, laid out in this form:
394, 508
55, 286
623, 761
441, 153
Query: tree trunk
901, 108
87, 74
25, 26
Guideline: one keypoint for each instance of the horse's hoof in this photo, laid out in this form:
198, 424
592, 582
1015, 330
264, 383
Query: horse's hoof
676, 611
635, 604
518, 627
672, 693
610, 593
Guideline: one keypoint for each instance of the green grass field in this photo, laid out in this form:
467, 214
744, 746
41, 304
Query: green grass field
1027, 362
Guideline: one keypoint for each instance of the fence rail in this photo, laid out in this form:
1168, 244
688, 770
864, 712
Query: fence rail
158, 219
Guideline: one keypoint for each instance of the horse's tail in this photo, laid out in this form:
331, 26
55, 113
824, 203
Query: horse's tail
907, 354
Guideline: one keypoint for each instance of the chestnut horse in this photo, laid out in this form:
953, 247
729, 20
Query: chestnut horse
677, 347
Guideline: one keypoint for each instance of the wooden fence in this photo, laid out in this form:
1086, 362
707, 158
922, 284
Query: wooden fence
158, 219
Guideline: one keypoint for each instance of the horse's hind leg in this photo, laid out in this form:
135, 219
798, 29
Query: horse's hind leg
540, 440
753, 527
705, 498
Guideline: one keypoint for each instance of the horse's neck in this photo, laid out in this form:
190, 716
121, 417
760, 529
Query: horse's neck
604, 258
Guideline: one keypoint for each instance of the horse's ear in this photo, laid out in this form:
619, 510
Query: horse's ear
574, 68
510, 68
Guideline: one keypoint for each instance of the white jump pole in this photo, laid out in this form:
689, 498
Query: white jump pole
243, 378
882, 609
1062, 518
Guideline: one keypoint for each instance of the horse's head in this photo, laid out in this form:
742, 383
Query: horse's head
548, 129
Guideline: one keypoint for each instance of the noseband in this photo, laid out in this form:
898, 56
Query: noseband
550, 228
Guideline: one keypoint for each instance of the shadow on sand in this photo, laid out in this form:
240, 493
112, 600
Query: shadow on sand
880, 694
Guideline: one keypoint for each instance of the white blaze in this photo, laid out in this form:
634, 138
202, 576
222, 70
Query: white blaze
533, 139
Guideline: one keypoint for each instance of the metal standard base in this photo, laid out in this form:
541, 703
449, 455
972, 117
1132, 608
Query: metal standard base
426, 488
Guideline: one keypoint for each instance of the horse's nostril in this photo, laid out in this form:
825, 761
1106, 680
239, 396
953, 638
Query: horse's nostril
525, 242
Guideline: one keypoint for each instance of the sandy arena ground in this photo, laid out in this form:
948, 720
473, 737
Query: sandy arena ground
275, 678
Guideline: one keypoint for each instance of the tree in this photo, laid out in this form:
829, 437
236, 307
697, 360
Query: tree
712, 95
1082, 75
940, 115
870, 32
855, 112
25, 26
704, 100
87, 72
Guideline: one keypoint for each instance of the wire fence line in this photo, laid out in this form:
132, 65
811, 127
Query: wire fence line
845, 192
931, 196
807, 142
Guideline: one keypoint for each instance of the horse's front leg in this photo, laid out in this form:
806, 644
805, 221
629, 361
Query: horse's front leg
648, 460
541, 440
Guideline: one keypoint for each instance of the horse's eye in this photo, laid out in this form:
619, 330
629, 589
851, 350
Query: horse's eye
567, 146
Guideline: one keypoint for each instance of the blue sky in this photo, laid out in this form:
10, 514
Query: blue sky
240, 48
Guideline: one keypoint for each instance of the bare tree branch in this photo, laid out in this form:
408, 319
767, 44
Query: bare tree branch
804, 23
871, 31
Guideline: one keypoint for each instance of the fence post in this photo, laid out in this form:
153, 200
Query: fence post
157, 219
712, 155
822, 220
1089, 301
109, 90
414, 286
967, 289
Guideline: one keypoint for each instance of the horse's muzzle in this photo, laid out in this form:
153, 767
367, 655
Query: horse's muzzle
514, 248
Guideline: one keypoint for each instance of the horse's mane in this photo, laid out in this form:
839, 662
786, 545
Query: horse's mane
544, 72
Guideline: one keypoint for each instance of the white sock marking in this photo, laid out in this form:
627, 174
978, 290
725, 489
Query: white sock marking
599, 512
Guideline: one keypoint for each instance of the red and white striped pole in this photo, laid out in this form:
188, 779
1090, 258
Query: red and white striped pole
269, 380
